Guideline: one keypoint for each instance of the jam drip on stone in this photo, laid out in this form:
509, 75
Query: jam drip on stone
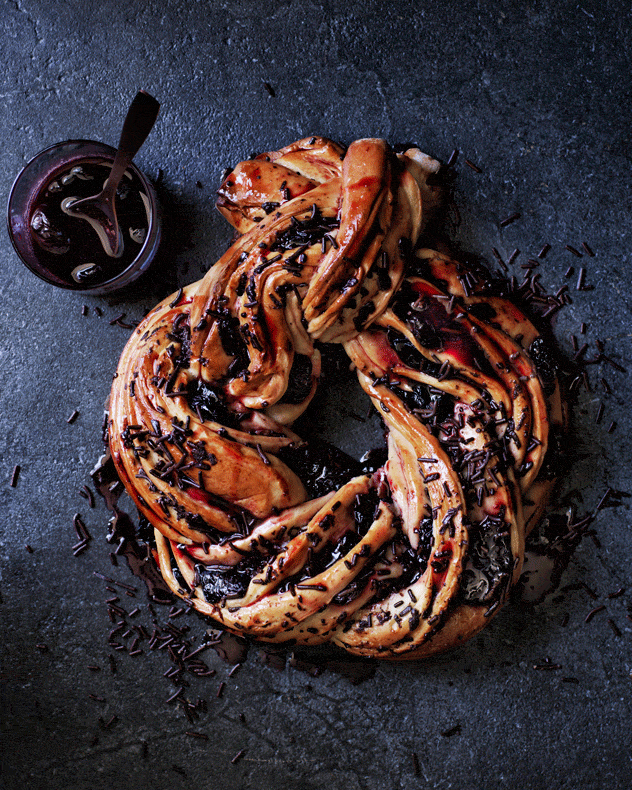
289, 540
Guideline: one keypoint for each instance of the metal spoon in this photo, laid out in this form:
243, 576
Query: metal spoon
100, 210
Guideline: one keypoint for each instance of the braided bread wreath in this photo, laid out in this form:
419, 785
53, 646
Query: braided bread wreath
397, 562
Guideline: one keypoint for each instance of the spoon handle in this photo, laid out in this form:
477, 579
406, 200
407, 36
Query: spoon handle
139, 120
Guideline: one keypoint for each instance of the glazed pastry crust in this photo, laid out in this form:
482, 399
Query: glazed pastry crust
397, 563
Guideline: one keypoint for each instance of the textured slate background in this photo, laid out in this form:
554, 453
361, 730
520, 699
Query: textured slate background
538, 95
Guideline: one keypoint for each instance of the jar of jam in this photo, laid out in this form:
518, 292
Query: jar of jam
65, 250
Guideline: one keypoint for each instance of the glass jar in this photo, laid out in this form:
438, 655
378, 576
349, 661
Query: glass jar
65, 250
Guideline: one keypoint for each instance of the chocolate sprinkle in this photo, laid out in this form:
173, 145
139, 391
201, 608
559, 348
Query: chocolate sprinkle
474, 167
511, 218
614, 627
593, 612
15, 475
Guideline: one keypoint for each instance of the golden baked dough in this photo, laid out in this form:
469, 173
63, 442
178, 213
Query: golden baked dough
398, 562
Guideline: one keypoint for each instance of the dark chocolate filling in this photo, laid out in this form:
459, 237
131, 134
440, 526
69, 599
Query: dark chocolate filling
321, 466
300, 380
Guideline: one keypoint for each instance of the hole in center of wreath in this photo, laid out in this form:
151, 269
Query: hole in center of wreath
344, 434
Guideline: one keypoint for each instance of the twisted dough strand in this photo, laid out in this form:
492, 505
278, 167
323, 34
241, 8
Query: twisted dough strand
397, 562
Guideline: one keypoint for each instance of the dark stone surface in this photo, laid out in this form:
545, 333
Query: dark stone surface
537, 95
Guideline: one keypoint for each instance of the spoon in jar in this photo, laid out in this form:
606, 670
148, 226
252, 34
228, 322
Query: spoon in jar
100, 210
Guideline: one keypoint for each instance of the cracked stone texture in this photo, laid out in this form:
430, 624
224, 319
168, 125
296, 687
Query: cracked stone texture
537, 95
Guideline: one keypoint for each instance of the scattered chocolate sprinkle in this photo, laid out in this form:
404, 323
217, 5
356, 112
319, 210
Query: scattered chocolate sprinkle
587, 250
263, 456
178, 770
176, 694
98, 311
113, 667
600, 411
544, 251
42, 647
612, 363
29, 548
220, 689
84, 310
570, 680
238, 756
590, 592
573, 250
513, 256
94, 668
72, 417
611, 427
565, 620
548, 664
618, 593
416, 766
604, 499
511, 218
474, 167
593, 612
452, 158
614, 627
176, 298
112, 581
202, 735
581, 278
87, 493
456, 730
96, 698
569, 272
15, 475
270, 89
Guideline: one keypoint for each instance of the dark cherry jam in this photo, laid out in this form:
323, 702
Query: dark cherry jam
66, 250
